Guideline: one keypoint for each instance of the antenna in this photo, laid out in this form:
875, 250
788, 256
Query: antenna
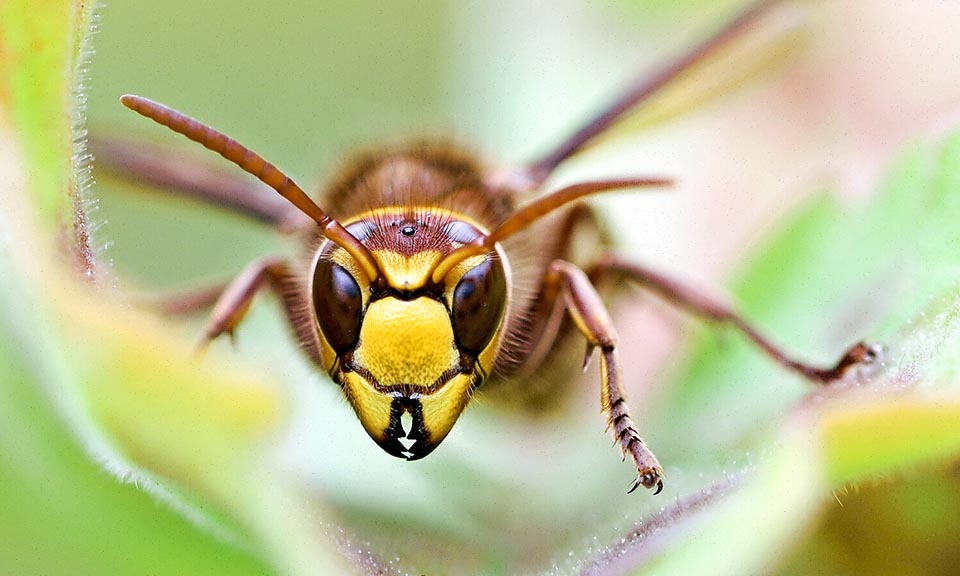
532, 212
254, 164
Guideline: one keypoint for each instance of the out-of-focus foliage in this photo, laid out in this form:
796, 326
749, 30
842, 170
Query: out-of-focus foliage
90, 437
120, 453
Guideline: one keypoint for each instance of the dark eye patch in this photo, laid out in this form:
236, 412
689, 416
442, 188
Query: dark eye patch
478, 303
337, 301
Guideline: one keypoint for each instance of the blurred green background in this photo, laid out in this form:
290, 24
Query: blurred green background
304, 83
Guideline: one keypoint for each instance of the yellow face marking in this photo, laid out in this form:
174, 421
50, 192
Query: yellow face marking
407, 272
406, 358
442, 409
371, 406
410, 343
406, 342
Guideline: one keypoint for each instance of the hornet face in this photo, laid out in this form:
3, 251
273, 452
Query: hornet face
406, 344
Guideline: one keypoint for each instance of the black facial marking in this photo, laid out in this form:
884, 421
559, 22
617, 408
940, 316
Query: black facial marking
468, 363
394, 431
418, 432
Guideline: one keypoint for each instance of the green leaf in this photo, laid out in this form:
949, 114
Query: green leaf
883, 271
120, 453
87, 380
883, 438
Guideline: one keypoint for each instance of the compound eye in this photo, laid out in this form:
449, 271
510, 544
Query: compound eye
478, 303
336, 298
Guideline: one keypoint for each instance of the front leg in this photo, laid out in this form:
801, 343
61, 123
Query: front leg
592, 319
718, 309
234, 302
